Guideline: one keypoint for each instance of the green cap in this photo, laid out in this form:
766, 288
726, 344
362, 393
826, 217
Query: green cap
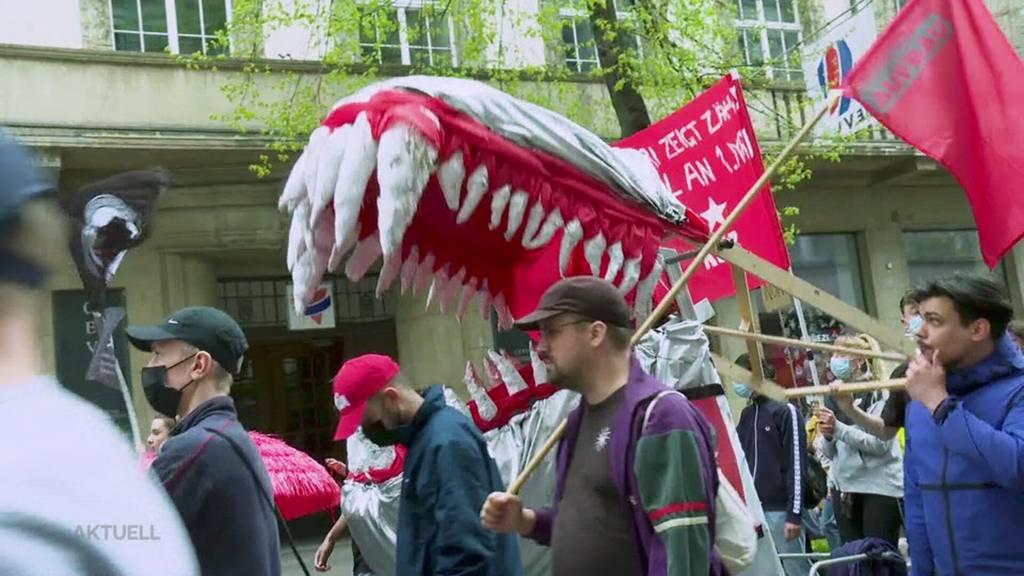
208, 329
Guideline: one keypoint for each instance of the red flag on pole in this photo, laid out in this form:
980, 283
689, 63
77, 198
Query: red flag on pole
944, 78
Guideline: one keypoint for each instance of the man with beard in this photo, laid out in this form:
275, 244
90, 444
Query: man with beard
636, 473
447, 471
964, 462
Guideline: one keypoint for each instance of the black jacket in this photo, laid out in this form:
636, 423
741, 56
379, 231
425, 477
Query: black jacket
232, 527
775, 442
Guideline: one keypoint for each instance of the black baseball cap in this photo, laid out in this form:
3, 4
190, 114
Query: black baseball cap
588, 296
208, 329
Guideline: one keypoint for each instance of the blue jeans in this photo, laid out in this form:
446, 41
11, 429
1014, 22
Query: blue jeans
777, 524
822, 524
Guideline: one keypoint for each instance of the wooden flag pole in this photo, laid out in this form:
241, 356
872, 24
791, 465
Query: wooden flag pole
851, 388
790, 342
698, 260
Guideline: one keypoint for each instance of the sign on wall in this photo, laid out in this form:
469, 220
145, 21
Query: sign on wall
318, 315
76, 336
827, 63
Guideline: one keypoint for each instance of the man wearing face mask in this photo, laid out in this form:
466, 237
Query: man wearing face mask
209, 466
774, 440
447, 471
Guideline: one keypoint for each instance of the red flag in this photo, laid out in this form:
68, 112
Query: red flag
707, 154
944, 78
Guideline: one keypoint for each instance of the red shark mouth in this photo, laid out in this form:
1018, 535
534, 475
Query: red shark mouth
452, 206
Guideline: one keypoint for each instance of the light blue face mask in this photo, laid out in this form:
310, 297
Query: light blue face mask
841, 368
914, 326
742, 390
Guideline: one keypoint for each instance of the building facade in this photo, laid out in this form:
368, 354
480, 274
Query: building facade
89, 84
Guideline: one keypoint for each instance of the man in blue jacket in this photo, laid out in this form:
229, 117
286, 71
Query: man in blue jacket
964, 461
447, 473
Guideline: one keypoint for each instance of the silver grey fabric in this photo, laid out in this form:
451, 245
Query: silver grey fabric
627, 171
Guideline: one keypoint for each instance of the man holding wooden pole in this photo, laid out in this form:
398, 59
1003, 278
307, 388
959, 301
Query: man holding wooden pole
636, 473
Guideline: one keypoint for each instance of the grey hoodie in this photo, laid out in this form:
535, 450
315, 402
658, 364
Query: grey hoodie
863, 463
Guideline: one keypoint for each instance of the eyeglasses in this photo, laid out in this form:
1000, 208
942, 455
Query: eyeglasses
550, 332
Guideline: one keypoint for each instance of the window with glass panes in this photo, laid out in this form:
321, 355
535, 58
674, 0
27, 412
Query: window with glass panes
178, 26
933, 254
421, 34
769, 35
578, 34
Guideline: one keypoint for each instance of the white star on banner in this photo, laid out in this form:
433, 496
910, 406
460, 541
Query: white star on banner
715, 214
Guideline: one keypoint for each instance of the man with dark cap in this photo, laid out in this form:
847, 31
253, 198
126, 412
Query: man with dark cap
209, 466
447, 472
72, 500
636, 473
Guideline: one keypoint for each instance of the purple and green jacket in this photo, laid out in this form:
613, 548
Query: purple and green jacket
666, 473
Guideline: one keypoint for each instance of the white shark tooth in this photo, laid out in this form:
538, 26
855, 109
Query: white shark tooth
593, 249
540, 370
614, 262
492, 376
486, 299
388, 273
499, 199
295, 187
570, 238
296, 233
405, 161
476, 187
551, 225
437, 286
505, 319
312, 153
516, 211
630, 275
339, 251
509, 375
366, 252
484, 405
328, 166
424, 273
452, 290
408, 272
301, 273
450, 174
468, 292
533, 222
353, 175
645, 291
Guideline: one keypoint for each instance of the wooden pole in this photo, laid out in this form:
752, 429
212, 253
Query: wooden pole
852, 388
753, 336
698, 260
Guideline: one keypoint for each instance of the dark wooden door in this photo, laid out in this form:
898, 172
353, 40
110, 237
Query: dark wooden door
289, 393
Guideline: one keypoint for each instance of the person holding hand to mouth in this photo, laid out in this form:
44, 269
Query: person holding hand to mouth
964, 461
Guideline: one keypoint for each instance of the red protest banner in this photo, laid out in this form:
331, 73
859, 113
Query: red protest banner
944, 78
707, 154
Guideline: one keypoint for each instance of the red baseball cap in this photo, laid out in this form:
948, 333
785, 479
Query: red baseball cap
354, 384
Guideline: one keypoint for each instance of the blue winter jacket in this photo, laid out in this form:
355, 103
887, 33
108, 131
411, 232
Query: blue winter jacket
448, 474
965, 478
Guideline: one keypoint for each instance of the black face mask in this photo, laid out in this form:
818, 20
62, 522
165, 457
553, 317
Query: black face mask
162, 397
380, 435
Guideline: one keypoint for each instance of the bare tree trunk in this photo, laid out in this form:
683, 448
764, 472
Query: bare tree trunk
630, 108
